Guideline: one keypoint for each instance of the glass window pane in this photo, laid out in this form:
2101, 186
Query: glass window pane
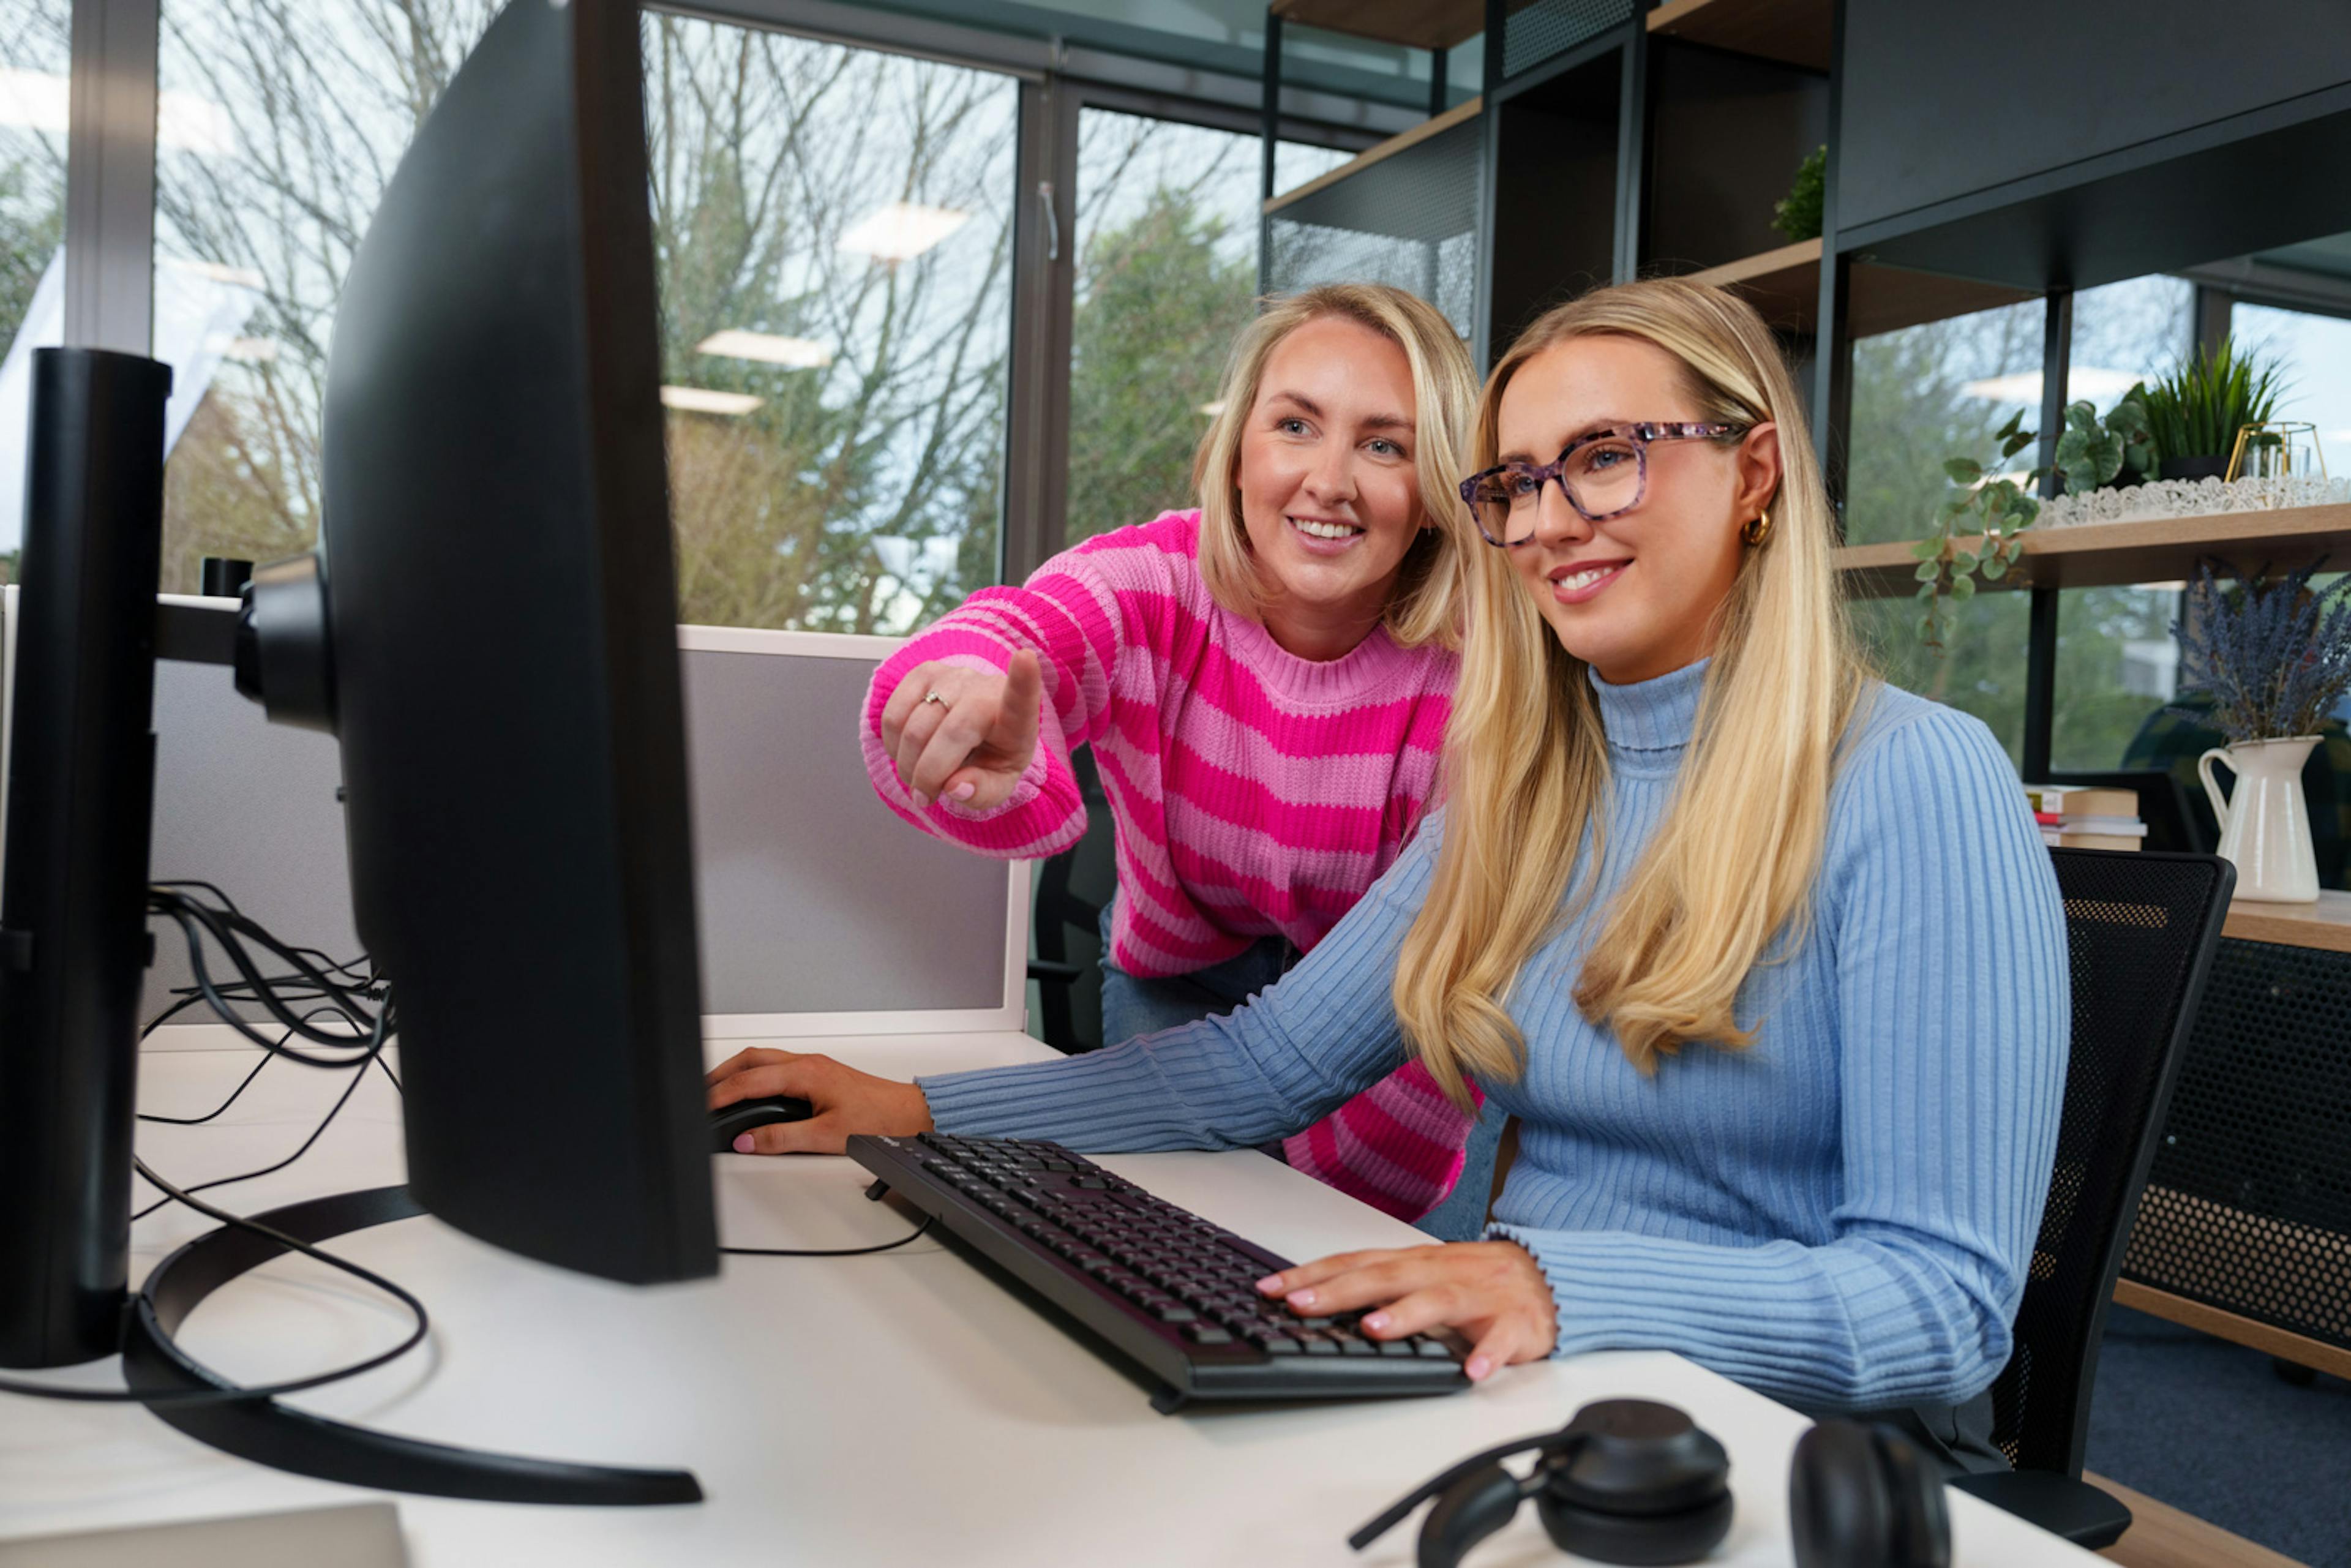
2117, 666
1980, 669
1930, 393
1294, 164
2315, 357
2116, 663
277, 132
2128, 333
1168, 241
34, 48
844, 219
1919, 396
846, 214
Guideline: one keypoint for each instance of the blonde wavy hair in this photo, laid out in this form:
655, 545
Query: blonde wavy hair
1424, 606
1731, 866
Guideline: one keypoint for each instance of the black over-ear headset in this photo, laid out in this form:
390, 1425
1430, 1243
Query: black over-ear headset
1630, 1480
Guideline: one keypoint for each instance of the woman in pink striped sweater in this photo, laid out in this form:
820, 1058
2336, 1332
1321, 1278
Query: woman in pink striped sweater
1265, 683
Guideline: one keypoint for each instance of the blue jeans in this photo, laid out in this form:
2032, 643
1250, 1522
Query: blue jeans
1133, 1005
1462, 1215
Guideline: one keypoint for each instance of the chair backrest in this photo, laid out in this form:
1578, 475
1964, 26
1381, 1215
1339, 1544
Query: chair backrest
1072, 888
2141, 929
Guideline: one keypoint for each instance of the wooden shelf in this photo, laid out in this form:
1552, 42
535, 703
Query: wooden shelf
1794, 32
1469, 108
2324, 924
1418, 23
1785, 286
2113, 555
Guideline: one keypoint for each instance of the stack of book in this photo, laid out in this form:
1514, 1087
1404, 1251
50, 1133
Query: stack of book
2086, 818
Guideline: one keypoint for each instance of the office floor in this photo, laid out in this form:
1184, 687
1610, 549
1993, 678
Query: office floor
2206, 1427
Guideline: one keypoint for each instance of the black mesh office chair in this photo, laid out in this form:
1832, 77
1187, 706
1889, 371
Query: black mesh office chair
2140, 931
1071, 889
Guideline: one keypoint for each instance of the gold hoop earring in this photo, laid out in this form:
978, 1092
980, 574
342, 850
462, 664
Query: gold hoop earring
1758, 528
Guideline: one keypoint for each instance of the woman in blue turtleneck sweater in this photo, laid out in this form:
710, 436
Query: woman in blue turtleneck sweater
1766, 958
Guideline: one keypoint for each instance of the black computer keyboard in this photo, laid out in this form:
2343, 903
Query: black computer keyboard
1172, 1292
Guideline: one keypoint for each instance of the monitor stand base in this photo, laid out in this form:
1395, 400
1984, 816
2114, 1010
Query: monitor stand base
271, 1434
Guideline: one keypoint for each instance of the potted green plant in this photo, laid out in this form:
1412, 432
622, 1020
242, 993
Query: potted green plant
1798, 214
2093, 453
2193, 414
2273, 657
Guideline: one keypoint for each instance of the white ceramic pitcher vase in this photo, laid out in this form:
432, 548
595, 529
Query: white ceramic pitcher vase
2264, 827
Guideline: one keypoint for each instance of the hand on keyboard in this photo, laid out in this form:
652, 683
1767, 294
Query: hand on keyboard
844, 1101
1489, 1291
1169, 1291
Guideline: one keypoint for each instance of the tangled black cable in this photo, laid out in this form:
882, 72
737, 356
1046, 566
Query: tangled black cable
230, 928
309, 980
374, 1053
424, 1325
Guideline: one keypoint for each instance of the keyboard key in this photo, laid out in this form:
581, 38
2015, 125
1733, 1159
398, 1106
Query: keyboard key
1207, 1334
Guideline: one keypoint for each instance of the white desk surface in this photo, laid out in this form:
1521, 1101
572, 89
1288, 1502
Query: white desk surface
899, 1408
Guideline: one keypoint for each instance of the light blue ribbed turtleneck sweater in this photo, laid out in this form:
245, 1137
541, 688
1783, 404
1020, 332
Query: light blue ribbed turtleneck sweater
1839, 1216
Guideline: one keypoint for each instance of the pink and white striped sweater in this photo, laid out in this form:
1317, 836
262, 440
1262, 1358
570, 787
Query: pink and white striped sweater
1255, 793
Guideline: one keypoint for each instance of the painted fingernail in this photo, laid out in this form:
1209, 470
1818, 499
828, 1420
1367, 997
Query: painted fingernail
963, 791
1377, 1322
1302, 1298
922, 801
1477, 1367
743, 1144
1270, 1284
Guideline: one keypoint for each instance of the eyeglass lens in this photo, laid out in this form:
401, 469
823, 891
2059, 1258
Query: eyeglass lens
1600, 477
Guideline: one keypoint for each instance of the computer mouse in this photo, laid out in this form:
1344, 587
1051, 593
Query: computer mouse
731, 1122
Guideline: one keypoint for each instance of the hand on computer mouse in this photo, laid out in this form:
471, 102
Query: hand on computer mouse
844, 1101
963, 734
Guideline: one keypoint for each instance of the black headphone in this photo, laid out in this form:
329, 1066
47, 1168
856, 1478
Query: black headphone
1630, 1480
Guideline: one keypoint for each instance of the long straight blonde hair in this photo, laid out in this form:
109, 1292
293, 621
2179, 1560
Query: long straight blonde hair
1731, 867
1424, 606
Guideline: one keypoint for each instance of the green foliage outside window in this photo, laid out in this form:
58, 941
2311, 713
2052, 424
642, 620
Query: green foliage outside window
1160, 300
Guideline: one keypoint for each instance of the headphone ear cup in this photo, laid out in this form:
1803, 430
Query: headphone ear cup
1922, 1519
1470, 1509
1840, 1510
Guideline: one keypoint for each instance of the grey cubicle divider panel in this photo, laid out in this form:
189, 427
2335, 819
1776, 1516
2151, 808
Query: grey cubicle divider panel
814, 896
249, 806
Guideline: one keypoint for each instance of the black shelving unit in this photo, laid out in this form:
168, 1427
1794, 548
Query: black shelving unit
1981, 152
1623, 137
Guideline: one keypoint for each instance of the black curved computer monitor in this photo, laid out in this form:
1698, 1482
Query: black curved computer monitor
490, 630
